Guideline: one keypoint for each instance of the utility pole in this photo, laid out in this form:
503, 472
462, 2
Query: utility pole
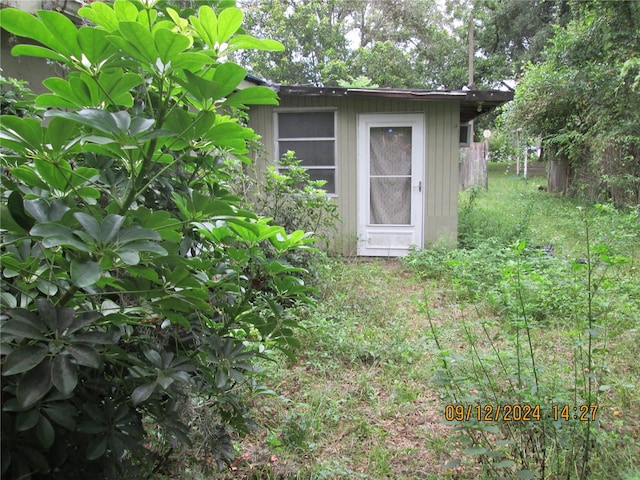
471, 47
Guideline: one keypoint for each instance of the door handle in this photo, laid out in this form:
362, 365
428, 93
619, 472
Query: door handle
420, 186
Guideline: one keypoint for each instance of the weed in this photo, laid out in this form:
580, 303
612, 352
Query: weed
388, 340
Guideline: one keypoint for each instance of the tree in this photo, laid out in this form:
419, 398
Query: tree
395, 43
510, 34
577, 101
314, 34
132, 280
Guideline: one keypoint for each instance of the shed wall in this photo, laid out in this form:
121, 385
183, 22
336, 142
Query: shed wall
441, 169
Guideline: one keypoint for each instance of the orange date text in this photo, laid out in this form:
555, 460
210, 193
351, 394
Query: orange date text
518, 413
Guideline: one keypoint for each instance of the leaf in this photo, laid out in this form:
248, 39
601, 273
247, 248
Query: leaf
140, 37
60, 131
64, 374
475, 451
252, 43
38, 52
94, 44
229, 21
22, 330
63, 30
34, 385
201, 88
27, 420
170, 44
46, 230
49, 314
228, 76
526, 474
27, 317
125, 11
100, 14
252, 96
28, 175
24, 24
221, 378
206, 24
129, 257
45, 211
142, 393
61, 413
24, 358
16, 213
97, 447
93, 338
91, 117
85, 273
453, 463
154, 357
56, 175
83, 320
504, 464
90, 224
45, 433
22, 130
85, 355
109, 228
46, 287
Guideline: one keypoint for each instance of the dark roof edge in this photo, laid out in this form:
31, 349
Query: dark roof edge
414, 94
473, 103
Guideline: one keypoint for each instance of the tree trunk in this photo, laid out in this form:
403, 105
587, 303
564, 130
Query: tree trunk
560, 172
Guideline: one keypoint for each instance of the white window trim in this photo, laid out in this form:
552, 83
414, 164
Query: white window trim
277, 139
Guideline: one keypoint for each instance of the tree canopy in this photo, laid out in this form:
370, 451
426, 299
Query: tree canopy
418, 43
583, 98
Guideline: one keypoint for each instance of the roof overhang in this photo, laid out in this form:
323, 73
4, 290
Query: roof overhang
472, 102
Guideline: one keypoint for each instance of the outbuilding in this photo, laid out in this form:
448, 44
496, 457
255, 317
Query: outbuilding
389, 157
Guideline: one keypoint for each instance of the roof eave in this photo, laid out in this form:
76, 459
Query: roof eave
473, 103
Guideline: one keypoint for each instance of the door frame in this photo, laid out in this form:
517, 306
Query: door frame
390, 240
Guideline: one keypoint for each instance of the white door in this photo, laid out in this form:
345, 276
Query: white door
390, 183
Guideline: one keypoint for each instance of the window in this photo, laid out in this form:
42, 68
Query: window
466, 131
312, 135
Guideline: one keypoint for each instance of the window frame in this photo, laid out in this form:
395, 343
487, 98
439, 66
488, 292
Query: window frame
469, 127
278, 139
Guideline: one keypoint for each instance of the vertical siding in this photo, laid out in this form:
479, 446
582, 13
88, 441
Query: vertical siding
441, 157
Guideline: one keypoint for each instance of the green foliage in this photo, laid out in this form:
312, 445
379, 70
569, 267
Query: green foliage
516, 293
581, 101
16, 97
476, 225
417, 44
296, 202
133, 282
288, 196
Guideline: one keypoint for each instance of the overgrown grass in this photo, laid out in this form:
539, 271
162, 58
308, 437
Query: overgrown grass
392, 343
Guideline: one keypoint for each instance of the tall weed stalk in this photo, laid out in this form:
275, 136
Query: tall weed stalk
505, 364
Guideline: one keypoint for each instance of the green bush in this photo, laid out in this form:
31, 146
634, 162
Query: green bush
504, 363
132, 280
292, 200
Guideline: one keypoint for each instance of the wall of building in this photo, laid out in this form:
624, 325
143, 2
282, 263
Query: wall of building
33, 70
442, 156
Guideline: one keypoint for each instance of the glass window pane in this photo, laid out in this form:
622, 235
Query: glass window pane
464, 133
326, 174
306, 124
313, 153
390, 201
390, 150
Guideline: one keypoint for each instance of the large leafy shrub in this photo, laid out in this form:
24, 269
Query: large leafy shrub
131, 277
